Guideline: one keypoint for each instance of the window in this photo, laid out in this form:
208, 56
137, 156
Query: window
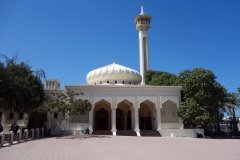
55, 115
107, 81
123, 82
115, 81
11, 115
101, 82
21, 116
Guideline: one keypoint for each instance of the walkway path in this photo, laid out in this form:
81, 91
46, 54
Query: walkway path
122, 148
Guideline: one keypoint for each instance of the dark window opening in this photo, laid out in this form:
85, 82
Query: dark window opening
123, 82
100, 82
21, 116
11, 115
115, 81
107, 81
55, 115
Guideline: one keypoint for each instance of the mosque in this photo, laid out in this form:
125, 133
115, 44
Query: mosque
121, 102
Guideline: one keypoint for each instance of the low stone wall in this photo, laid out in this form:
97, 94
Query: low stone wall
180, 132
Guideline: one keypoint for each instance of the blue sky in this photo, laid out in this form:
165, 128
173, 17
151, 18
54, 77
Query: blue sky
70, 38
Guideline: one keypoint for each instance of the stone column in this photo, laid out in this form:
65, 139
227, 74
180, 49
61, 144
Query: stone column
114, 130
26, 133
32, 134
11, 137
19, 136
2, 139
94, 118
3, 118
136, 119
132, 118
125, 121
159, 123
91, 115
90, 125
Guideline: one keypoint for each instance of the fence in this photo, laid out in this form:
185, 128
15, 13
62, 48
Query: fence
20, 136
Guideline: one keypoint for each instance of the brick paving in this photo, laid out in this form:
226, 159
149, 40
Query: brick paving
123, 148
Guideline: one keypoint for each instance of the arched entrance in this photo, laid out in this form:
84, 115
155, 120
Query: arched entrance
147, 114
124, 112
129, 120
102, 118
119, 119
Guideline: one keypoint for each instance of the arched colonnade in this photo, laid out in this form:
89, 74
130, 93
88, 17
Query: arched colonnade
134, 113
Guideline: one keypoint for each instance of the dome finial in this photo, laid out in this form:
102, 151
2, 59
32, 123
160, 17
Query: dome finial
142, 12
114, 60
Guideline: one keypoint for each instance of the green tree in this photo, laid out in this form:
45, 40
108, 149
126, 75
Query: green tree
158, 78
65, 104
203, 97
21, 88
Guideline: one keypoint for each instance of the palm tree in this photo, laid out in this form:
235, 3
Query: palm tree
232, 103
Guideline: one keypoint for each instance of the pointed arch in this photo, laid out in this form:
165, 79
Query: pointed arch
152, 99
174, 99
126, 101
101, 101
168, 112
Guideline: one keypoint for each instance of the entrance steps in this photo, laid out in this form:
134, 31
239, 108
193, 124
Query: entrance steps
149, 133
126, 133
102, 132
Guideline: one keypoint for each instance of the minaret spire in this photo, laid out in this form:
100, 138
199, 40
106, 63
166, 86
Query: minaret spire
142, 12
142, 22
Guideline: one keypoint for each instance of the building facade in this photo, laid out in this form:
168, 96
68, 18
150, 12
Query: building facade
120, 99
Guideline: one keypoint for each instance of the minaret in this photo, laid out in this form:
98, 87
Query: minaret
142, 22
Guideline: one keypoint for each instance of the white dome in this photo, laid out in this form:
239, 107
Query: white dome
113, 74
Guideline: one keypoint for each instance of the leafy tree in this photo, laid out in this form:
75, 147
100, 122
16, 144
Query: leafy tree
203, 97
21, 88
158, 78
64, 103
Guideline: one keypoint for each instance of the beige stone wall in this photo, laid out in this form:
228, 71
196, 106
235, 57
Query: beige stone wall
79, 118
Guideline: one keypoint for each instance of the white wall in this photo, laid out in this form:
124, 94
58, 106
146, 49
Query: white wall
181, 132
170, 125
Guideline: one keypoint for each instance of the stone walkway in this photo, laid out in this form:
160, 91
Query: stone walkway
122, 148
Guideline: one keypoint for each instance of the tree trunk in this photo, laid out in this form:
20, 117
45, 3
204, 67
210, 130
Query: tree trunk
234, 122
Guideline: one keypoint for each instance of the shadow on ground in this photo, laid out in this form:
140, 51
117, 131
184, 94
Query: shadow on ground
82, 137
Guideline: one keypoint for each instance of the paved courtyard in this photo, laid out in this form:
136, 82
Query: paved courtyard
122, 148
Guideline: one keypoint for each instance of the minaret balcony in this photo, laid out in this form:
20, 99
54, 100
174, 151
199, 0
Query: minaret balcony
143, 23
